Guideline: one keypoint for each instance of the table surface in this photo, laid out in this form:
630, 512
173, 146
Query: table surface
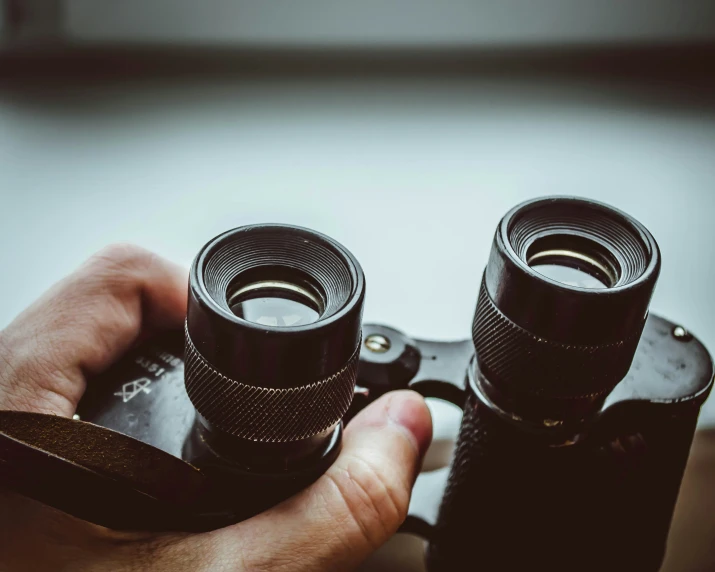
411, 174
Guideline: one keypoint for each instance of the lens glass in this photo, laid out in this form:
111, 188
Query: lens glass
276, 303
569, 275
573, 261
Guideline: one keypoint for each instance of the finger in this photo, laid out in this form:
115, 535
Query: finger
351, 510
83, 324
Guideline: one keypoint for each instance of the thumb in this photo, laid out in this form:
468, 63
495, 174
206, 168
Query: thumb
355, 507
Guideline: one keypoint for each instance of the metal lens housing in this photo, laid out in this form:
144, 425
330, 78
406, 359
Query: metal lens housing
273, 333
564, 299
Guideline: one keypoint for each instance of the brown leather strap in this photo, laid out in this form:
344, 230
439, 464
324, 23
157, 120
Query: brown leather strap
98, 474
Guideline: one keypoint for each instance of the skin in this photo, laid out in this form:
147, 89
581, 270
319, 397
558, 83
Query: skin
86, 322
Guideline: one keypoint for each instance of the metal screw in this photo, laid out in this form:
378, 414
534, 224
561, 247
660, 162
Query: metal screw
377, 343
681, 334
75, 417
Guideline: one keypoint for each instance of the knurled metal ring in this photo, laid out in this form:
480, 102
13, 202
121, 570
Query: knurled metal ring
524, 363
272, 415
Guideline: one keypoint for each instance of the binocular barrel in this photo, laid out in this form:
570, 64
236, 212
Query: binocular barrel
562, 305
271, 354
560, 313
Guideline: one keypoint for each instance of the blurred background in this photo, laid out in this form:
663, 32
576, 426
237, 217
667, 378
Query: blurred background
404, 129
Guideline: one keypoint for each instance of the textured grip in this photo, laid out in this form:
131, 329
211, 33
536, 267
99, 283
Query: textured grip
513, 503
524, 363
268, 414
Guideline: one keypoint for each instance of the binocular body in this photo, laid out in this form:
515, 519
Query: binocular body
579, 405
517, 494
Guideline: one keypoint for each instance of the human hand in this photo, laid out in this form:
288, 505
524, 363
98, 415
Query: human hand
79, 328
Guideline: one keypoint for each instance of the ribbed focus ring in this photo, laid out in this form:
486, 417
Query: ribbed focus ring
621, 242
279, 249
523, 363
267, 414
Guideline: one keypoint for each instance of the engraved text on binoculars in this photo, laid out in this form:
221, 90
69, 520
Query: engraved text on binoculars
138, 386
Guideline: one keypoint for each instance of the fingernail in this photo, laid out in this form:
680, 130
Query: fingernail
409, 410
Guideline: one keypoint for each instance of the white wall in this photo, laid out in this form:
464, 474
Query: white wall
391, 22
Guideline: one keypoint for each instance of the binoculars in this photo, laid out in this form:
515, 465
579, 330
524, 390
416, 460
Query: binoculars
579, 405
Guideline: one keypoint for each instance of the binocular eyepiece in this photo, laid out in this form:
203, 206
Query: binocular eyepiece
562, 306
273, 325
272, 342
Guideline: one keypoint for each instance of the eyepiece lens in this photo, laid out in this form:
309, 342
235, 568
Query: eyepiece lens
276, 303
570, 272
573, 261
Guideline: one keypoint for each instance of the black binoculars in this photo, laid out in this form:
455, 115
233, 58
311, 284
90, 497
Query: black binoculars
579, 406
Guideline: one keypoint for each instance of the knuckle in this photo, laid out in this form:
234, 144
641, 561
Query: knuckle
120, 256
376, 501
31, 383
117, 269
